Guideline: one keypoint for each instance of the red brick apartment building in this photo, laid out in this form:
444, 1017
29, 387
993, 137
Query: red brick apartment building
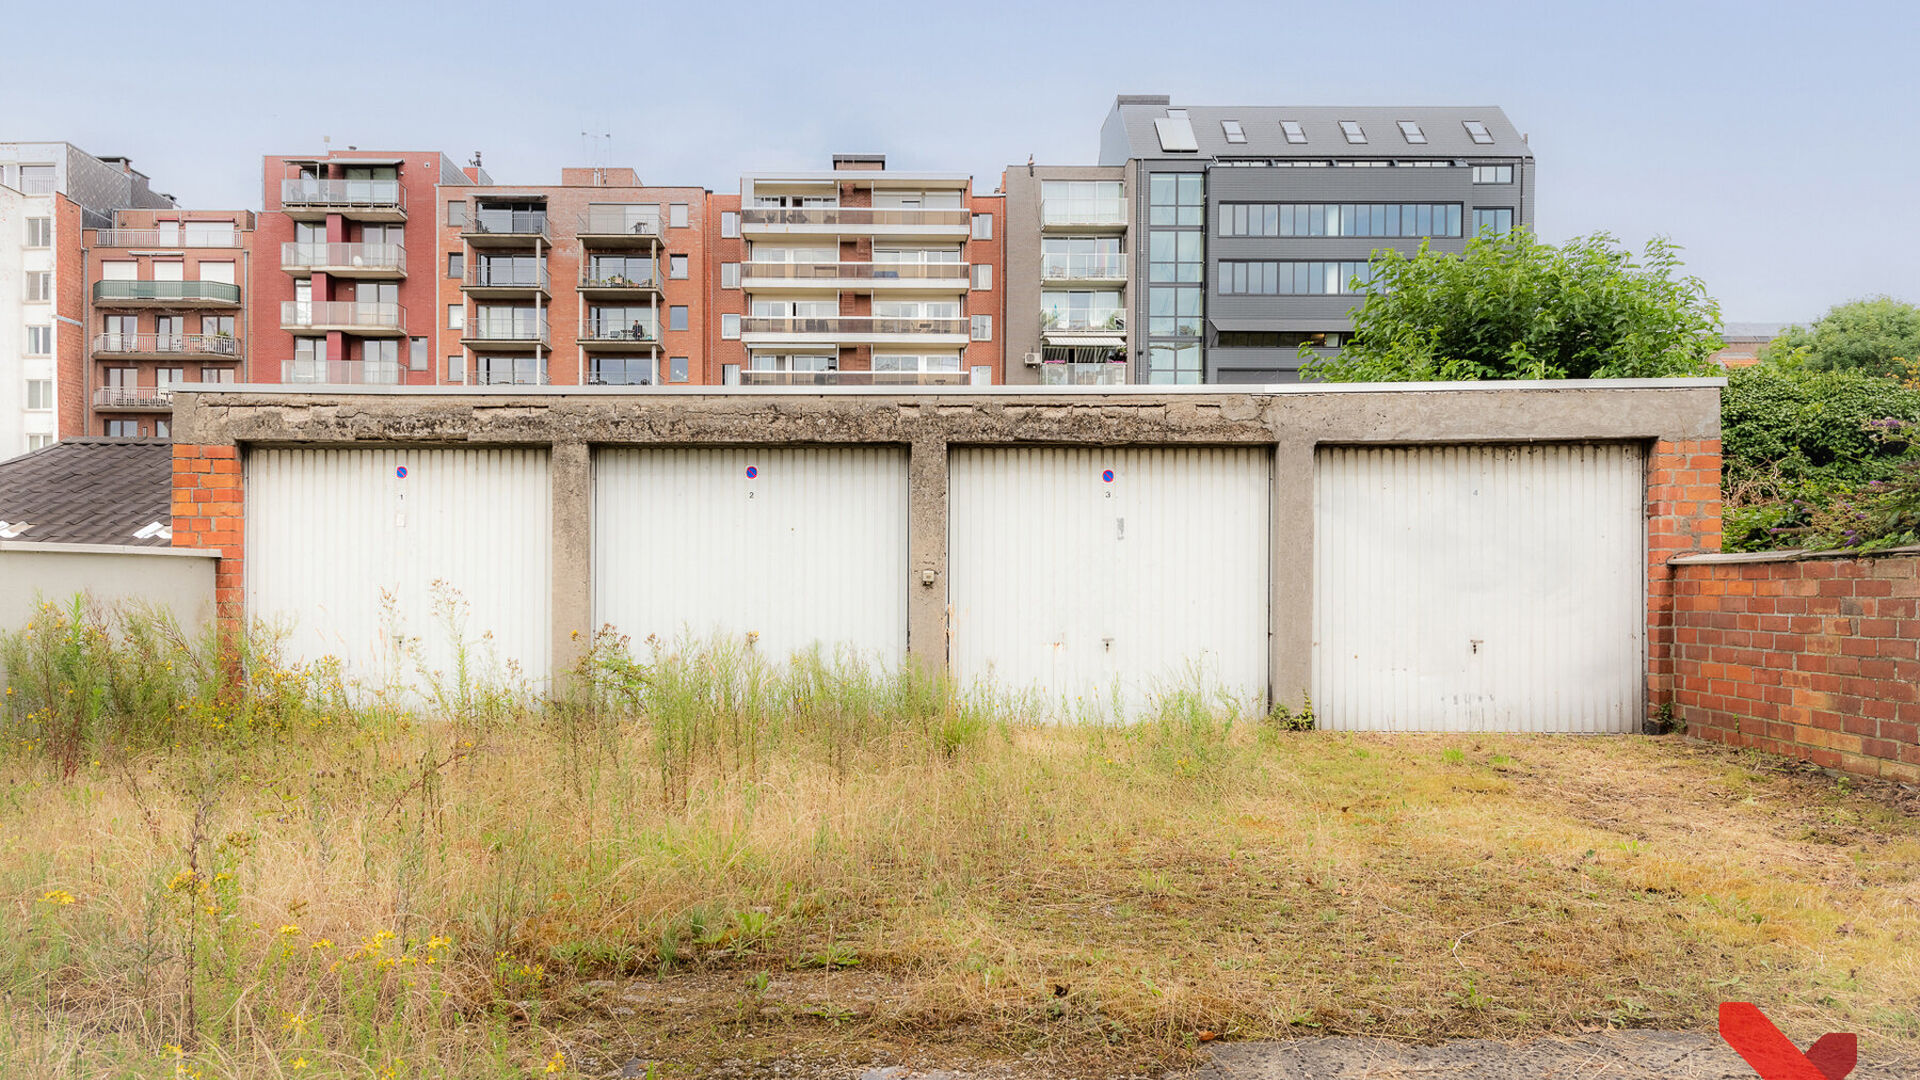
165, 297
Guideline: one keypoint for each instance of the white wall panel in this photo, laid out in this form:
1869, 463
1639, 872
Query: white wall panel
809, 548
358, 563
1480, 588
1093, 590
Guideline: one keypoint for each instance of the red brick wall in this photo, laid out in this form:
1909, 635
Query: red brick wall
1683, 515
208, 512
69, 341
1812, 657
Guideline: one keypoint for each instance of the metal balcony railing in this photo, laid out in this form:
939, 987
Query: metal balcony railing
1114, 319
854, 216
854, 378
1083, 267
851, 324
168, 238
219, 346
341, 372
1083, 374
641, 220
299, 256
363, 194
957, 274
590, 280
507, 275
132, 397
505, 328
509, 223
1100, 212
643, 333
299, 313
107, 292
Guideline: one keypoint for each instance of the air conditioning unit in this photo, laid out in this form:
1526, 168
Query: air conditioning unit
1032, 359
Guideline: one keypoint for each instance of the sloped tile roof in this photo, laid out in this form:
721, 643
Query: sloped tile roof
90, 491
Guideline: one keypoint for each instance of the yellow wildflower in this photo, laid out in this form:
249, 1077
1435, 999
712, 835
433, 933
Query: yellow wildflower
323, 943
289, 930
557, 1063
296, 1021
57, 896
299, 1063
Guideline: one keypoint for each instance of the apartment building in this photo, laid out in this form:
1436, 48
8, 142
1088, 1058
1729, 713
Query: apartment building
345, 305
49, 193
598, 280
165, 306
856, 276
1244, 233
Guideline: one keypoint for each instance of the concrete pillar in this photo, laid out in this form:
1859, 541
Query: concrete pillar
572, 613
927, 551
1290, 555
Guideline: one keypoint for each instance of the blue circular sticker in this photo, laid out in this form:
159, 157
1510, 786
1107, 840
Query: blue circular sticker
401, 472
1107, 477
753, 471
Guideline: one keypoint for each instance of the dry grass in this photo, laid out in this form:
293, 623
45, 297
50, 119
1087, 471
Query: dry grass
948, 883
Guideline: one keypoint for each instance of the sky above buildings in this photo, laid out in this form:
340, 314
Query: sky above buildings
1771, 140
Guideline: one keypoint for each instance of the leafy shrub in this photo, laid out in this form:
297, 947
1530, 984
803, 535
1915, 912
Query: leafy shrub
1875, 336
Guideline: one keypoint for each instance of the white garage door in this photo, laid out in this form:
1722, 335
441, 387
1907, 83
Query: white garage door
1097, 576
801, 546
389, 559
1479, 588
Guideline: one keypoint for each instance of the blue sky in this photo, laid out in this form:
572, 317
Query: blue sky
1774, 141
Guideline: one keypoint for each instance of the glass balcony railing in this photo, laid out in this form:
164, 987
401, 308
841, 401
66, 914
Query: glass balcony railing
173, 237
643, 221
1083, 374
365, 194
341, 372
853, 324
344, 313
108, 292
1083, 267
954, 273
610, 279
518, 327
318, 256
854, 378
1097, 212
855, 216
626, 332
507, 275
1083, 319
508, 223
209, 345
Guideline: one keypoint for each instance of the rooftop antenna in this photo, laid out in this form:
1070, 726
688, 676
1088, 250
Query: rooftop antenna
476, 159
597, 147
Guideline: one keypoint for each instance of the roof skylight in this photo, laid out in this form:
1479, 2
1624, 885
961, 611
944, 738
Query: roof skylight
1235, 133
1351, 129
1293, 131
1411, 130
1478, 132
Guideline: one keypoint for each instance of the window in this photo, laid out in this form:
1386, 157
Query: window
1176, 199
730, 327
983, 328
1351, 129
417, 354
983, 276
216, 375
39, 232
729, 224
1091, 309
1083, 202
456, 264
677, 317
163, 429
1497, 218
510, 370
166, 378
120, 270
620, 371
677, 266
1278, 339
39, 394
1173, 364
1293, 131
214, 271
1412, 133
1174, 256
1339, 219
1233, 131
36, 179
1478, 132
39, 285
1079, 258
456, 316
123, 429
39, 442
729, 275
1274, 278
677, 369
983, 226
39, 340
677, 215
1173, 312
456, 211
1493, 174
457, 368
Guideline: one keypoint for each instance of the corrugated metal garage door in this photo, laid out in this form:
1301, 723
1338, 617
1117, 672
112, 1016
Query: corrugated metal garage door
1480, 588
359, 552
1091, 573
798, 545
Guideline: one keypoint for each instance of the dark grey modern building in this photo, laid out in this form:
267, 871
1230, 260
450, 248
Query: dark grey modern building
1247, 230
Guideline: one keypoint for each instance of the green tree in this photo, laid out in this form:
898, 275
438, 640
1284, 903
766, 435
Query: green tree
1874, 336
1512, 307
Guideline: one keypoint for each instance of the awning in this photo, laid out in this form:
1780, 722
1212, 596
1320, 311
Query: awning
1092, 339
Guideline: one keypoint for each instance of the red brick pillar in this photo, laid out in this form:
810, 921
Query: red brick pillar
208, 512
1683, 515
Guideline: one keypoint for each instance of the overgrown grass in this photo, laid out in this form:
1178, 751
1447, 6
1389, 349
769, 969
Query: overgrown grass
776, 856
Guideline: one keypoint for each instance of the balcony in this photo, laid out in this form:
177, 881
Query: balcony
306, 199
229, 237
522, 329
506, 280
1103, 327
1083, 374
859, 276
167, 346
371, 262
854, 378
166, 294
1104, 268
314, 317
1098, 215
506, 229
617, 286
896, 223
620, 227
133, 399
340, 373
852, 330
619, 339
